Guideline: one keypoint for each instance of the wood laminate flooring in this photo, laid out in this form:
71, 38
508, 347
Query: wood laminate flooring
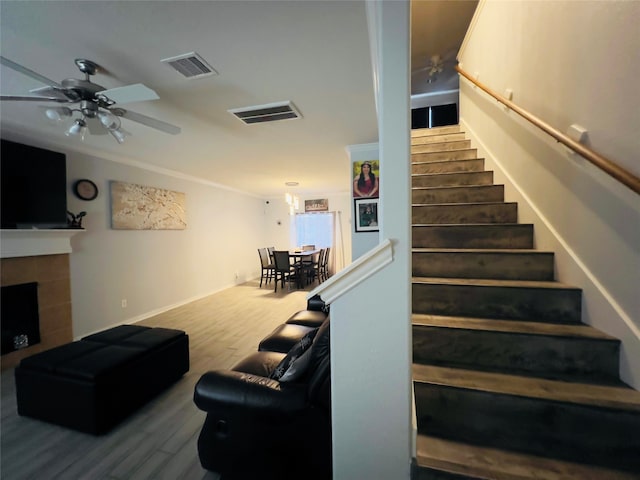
159, 441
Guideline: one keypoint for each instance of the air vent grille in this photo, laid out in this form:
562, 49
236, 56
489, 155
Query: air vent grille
191, 65
266, 113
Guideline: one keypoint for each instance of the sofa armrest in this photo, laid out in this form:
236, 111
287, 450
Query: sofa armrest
316, 303
226, 388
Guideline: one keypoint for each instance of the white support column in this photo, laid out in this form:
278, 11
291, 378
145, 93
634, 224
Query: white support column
371, 324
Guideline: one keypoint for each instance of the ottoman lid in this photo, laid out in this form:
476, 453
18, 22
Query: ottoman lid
99, 362
152, 338
116, 334
49, 359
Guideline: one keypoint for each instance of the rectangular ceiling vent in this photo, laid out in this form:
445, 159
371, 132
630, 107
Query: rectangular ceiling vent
191, 65
270, 112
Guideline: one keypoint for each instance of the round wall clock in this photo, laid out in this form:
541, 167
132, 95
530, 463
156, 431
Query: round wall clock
85, 189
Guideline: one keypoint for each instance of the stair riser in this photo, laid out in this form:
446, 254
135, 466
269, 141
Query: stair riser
475, 194
507, 303
509, 352
578, 433
472, 236
465, 213
452, 179
466, 154
450, 137
499, 266
449, 166
441, 147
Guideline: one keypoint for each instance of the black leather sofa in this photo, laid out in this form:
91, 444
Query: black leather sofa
268, 417
92, 384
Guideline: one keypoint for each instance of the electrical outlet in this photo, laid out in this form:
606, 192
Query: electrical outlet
124, 303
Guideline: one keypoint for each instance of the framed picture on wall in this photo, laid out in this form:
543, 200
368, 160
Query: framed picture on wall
366, 214
366, 179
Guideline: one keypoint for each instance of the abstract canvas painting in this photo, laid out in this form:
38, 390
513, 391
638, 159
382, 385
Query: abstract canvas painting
137, 207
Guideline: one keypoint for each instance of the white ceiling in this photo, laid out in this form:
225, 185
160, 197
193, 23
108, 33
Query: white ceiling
313, 53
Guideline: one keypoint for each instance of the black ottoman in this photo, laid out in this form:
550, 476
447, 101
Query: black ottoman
93, 384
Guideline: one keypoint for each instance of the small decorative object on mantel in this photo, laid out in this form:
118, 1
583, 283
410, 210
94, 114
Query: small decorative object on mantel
75, 221
85, 189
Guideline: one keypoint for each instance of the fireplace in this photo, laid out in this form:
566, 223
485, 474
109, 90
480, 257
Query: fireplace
51, 275
20, 326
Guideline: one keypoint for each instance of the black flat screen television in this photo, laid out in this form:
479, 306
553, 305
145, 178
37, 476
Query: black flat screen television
34, 187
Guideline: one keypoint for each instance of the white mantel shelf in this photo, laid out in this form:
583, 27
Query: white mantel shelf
33, 242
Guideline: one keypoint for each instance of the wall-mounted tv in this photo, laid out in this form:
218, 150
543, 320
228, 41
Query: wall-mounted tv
34, 187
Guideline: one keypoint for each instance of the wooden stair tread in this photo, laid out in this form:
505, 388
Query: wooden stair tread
441, 160
515, 251
511, 326
490, 463
426, 132
484, 204
455, 187
494, 283
471, 225
603, 396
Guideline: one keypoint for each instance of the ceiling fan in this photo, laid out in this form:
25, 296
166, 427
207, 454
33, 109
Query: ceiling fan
435, 66
91, 106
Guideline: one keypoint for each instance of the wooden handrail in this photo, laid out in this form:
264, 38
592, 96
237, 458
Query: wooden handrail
616, 171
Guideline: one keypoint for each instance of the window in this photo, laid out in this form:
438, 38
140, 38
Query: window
314, 229
428, 117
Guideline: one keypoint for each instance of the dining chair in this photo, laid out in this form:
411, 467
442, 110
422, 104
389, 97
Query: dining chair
323, 269
283, 269
307, 267
266, 265
317, 265
270, 250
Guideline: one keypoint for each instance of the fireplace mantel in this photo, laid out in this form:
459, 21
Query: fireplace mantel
33, 242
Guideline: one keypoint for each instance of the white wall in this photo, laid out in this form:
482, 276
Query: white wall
156, 270
434, 99
548, 53
362, 242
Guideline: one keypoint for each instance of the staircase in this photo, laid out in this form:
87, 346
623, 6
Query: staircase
509, 384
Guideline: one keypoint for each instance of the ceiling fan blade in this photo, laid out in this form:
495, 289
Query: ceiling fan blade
30, 73
148, 121
24, 98
63, 95
130, 93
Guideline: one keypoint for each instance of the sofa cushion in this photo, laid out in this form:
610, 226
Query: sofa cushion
295, 363
259, 363
283, 338
307, 318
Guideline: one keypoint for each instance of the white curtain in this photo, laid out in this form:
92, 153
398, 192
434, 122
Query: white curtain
336, 258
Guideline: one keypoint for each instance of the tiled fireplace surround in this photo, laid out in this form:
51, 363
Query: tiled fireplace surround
52, 274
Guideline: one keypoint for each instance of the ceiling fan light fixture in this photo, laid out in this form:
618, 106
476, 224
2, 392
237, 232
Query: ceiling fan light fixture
79, 128
57, 113
108, 120
118, 135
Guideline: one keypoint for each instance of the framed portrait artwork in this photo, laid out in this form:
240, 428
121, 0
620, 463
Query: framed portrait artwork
366, 214
366, 179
